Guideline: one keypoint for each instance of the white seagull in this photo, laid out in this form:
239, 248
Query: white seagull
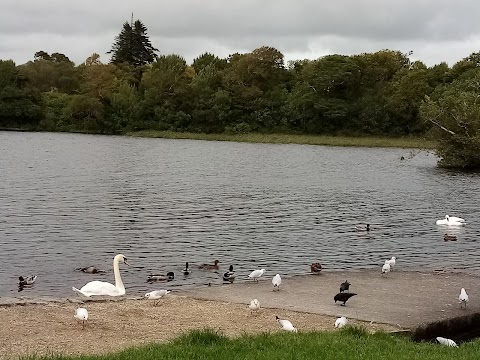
156, 295
254, 305
82, 315
463, 298
255, 274
341, 322
445, 341
286, 325
391, 262
276, 281
386, 267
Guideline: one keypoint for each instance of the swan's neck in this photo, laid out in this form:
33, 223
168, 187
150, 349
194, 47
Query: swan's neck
118, 279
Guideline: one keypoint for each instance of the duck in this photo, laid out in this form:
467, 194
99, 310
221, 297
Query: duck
315, 268
91, 270
187, 270
448, 237
362, 227
213, 266
229, 276
99, 288
159, 277
451, 221
29, 280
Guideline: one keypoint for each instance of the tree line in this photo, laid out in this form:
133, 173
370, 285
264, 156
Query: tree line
382, 93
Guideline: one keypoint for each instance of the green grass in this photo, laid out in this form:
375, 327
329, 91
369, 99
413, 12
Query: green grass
348, 343
366, 141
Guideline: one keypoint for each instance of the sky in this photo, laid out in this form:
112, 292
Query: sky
434, 30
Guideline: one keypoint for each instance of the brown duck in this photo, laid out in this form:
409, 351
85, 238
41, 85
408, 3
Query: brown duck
213, 266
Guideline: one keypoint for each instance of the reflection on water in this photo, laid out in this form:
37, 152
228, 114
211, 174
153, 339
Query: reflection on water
70, 201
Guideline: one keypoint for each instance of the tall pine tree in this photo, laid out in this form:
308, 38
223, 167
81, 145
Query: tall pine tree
132, 46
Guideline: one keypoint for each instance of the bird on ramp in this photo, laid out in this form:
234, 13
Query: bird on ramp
463, 298
82, 315
276, 281
343, 297
156, 295
386, 268
345, 286
341, 322
255, 274
447, 342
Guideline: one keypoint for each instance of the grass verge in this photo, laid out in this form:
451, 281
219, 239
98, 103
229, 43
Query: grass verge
348, 343
366, 141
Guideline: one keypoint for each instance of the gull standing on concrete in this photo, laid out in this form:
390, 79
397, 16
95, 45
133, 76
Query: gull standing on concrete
286, 325
156, 295
386, 268
255, 274
463, 298
276, 281
391, 262
82, 315
341, 322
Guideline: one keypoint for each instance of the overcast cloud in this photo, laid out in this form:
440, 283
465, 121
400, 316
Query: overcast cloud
435, 30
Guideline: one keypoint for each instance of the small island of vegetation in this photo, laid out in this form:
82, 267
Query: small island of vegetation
253, 96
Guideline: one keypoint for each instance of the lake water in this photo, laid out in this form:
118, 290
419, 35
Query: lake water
69, 201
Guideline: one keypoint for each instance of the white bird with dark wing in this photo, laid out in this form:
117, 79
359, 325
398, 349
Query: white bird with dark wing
29, 280
255, 274
386, 268
81, 314
463, 298
156, 295
341, 322
276, 281
254, 305
286, 324
447, 342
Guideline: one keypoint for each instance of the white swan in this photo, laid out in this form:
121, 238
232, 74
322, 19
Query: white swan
451, 221
104, 288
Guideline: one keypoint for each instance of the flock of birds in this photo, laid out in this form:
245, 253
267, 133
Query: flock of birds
101, 288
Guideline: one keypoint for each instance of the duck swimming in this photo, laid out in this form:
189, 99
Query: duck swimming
448, 237
315, 268
213, 266
29, 280
187, 270
229, 276
158, 277
91, 270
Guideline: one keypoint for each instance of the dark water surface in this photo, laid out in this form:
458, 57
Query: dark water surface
68, 201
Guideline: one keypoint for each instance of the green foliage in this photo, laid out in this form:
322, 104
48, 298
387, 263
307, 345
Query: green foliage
20, 104
455, 113
132, 46
348, 343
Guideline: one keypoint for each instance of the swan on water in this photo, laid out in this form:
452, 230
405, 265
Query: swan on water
104, 288
451, 221
82, 315
286, 324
